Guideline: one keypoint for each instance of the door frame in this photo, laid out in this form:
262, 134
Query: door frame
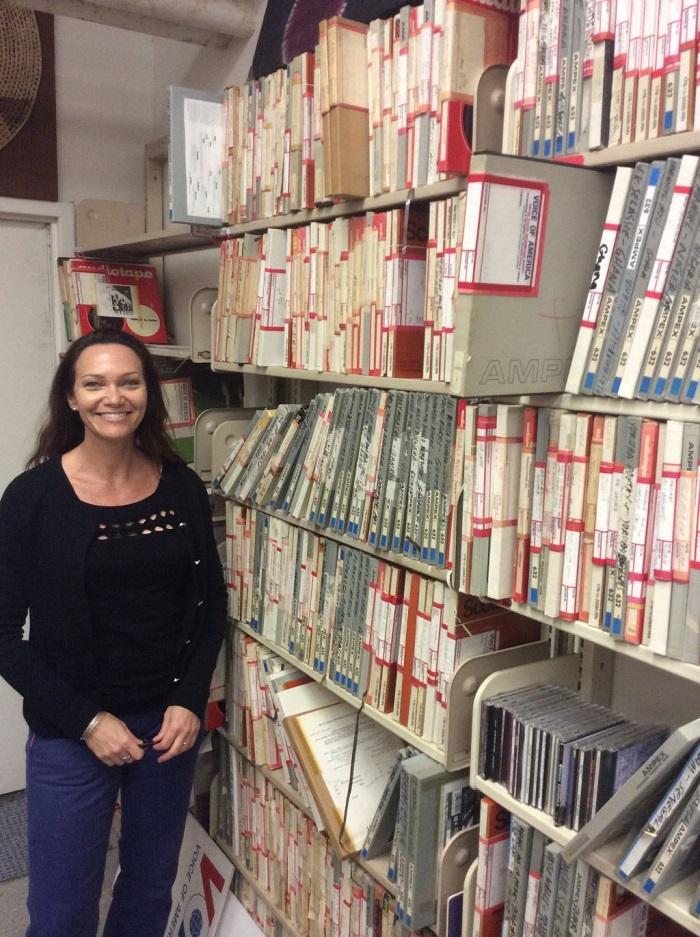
56, 221
59, 219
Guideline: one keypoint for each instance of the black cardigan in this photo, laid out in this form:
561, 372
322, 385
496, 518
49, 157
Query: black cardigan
44, 537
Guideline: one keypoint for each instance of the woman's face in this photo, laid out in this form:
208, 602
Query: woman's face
109, 392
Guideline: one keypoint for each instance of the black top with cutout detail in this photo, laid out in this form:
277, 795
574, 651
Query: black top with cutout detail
45, 536
136, 572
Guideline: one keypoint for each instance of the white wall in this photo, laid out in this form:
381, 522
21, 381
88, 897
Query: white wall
104, 110
111, 99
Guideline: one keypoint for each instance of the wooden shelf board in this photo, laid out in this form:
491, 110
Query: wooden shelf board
658, 410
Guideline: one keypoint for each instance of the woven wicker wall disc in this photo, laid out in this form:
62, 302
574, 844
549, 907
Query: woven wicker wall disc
20, 69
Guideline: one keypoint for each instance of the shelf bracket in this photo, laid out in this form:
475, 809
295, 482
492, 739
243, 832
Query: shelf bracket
457, 856
597, 672
201, 304
563, 671
463, 688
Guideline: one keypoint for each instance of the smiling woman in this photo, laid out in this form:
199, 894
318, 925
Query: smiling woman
103, 367
110, 396
107, 541
109, 393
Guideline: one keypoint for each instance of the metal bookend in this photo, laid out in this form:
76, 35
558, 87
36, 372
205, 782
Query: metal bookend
204, 428
201, 305
456, 858
489, 103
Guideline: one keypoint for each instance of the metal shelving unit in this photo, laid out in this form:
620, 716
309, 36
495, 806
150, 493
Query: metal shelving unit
674, 144
199, 237
460, 700
675, 902
472, 681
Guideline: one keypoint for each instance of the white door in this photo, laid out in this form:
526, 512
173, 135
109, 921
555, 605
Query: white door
27, 362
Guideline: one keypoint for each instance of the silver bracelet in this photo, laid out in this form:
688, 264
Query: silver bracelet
91, 726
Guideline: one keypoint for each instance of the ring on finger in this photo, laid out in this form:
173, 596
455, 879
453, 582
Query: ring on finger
126, 758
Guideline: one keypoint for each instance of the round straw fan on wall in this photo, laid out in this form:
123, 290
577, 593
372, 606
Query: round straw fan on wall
20, 69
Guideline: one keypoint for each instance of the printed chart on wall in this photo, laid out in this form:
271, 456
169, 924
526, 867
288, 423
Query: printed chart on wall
196, 156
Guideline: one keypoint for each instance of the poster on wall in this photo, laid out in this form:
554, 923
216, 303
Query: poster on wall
28, 160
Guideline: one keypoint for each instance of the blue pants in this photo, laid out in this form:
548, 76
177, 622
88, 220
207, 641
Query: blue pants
70, 805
